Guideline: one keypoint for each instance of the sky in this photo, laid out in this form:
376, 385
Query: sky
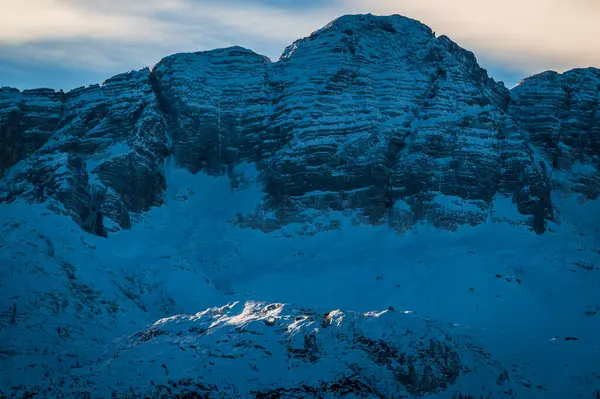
65, 44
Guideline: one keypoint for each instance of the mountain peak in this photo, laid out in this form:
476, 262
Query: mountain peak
362, 93
389, 23
353, 28
383, 26
231, 51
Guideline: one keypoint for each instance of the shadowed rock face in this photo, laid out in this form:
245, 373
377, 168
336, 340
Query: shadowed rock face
27, 120
560, 117
369, 113
108, 138
215, 104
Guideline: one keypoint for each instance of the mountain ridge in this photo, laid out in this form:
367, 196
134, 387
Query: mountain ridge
432, 121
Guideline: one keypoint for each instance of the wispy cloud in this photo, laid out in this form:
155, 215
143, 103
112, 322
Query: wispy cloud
146, 29
510, 37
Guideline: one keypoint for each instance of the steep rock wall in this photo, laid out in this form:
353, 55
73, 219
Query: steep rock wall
375, 115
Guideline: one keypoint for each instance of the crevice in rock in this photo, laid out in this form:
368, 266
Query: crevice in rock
166, 110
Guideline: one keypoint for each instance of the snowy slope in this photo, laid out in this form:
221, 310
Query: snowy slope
485, 310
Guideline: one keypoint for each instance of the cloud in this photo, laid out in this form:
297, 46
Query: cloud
152, 25
512, 37
119, 35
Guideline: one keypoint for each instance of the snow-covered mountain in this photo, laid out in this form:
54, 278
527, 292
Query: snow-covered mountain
356, 219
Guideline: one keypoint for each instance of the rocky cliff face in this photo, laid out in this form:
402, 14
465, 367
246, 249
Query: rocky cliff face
370, 114
93, 152
559, 116
27, 120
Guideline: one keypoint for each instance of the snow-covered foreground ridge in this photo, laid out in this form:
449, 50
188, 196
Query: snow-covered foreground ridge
355, 311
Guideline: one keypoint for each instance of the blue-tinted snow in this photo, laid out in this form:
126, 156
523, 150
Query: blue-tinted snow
519, 294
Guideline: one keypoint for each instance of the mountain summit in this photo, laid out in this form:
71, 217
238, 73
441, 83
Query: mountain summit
373, 114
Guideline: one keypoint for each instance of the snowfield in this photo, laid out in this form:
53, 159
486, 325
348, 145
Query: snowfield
189, 303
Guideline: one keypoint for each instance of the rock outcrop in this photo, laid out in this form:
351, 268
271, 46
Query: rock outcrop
371, 114
559, 115
98, 150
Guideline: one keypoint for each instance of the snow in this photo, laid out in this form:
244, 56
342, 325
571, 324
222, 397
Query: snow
455, 203
94, 161
514, 291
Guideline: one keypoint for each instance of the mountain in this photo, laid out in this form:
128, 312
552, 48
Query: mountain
368, 113
356, 219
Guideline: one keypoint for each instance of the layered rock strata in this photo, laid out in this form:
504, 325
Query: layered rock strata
559, 115
371, 114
